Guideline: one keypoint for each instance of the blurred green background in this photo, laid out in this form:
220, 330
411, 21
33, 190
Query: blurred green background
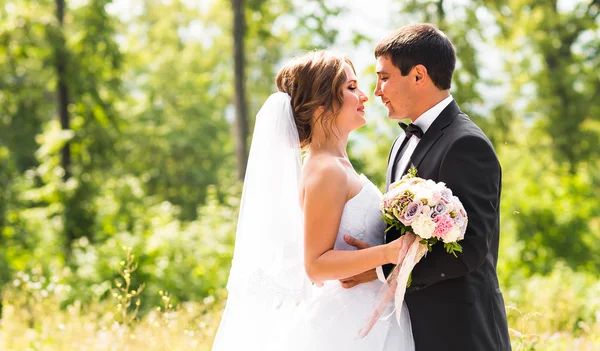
126, 124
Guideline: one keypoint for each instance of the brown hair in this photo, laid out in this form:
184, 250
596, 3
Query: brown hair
420, 44
314, 80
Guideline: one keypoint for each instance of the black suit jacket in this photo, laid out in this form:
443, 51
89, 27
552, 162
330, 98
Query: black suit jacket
455, 303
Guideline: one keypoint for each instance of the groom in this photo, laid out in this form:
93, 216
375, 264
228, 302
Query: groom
454, 303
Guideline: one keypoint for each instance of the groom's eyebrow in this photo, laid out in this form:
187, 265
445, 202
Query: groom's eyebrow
381, 72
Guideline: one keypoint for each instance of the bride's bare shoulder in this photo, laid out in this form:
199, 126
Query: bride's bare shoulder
323, 172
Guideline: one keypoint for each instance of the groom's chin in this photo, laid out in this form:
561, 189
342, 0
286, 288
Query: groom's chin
394, 116
391, 113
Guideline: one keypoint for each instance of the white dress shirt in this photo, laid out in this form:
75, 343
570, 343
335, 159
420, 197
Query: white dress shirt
424, 121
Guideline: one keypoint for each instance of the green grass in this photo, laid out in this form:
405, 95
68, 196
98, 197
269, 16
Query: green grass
41, 324
560, 311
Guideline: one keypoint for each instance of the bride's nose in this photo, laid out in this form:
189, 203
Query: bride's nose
363, 97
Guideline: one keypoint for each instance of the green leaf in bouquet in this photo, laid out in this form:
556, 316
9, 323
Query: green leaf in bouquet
413, 171
453, 248
391, 223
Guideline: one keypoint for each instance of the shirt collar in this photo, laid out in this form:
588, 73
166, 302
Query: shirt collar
428, 117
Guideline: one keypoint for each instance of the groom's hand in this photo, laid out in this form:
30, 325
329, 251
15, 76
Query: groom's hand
364, 277
359, 244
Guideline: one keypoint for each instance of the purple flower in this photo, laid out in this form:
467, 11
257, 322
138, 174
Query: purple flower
440, 209
446, 195
412, 211
461, 217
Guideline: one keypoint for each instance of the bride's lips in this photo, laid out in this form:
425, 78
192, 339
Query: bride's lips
361, 109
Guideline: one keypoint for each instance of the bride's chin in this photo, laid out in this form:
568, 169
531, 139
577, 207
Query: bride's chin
362, 123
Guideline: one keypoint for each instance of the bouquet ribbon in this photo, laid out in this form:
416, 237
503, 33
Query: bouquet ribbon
395, 285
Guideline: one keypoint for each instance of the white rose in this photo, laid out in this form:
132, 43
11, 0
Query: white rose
453, 234
423, 226
463, 230
425, 193
431, 184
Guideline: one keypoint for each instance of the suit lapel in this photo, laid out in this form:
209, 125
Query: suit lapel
392, 160
433, 134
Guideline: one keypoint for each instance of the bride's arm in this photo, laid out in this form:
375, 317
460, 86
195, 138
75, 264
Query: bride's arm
325, 195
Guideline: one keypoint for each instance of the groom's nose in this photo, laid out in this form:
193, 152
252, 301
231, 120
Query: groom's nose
378, 90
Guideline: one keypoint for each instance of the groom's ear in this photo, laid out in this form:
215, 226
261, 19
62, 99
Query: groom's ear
420, 73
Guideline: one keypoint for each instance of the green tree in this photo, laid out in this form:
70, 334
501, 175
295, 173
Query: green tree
27, 103
468, 30
241, 108
47, 56
555, 65
551, 56
177, 139
94, 63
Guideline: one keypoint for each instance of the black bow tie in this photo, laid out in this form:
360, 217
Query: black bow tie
412, 129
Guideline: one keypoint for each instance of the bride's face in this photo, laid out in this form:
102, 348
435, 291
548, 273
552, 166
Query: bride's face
352, 113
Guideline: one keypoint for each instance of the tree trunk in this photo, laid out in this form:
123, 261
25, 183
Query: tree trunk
63, 93
241, 119
63, 114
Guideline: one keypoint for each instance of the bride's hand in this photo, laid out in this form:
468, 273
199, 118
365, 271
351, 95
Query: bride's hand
392, 252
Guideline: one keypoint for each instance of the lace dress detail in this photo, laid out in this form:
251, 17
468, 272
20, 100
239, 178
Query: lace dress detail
361, 217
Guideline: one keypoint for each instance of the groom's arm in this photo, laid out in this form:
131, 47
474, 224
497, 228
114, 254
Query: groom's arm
471, 170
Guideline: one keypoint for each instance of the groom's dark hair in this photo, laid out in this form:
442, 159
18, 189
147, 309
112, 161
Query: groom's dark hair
422, 44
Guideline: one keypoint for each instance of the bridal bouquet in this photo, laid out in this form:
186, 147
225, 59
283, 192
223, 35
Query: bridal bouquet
427, 213
427, 209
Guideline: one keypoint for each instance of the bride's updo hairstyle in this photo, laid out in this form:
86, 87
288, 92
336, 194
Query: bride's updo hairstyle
314, 80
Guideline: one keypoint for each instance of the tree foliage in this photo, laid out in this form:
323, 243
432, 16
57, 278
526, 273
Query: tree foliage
151, 99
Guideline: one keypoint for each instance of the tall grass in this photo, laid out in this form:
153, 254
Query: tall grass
560, 311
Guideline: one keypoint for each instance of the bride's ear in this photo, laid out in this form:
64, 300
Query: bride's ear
320, 111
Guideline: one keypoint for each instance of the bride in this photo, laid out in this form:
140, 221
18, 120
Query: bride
290, 254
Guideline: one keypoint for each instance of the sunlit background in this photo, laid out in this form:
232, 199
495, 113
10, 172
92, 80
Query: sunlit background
122, 146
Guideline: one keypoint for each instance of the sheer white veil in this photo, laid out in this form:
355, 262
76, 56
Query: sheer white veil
267, 278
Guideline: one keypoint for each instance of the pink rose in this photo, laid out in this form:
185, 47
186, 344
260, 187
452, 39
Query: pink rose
437, 196
443, 224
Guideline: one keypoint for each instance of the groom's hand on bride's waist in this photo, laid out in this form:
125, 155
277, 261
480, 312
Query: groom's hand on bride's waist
359, 244
364, 277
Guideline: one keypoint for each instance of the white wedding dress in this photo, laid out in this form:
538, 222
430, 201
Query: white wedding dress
331, 319
272, 306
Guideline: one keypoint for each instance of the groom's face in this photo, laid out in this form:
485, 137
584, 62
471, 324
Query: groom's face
395, 90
